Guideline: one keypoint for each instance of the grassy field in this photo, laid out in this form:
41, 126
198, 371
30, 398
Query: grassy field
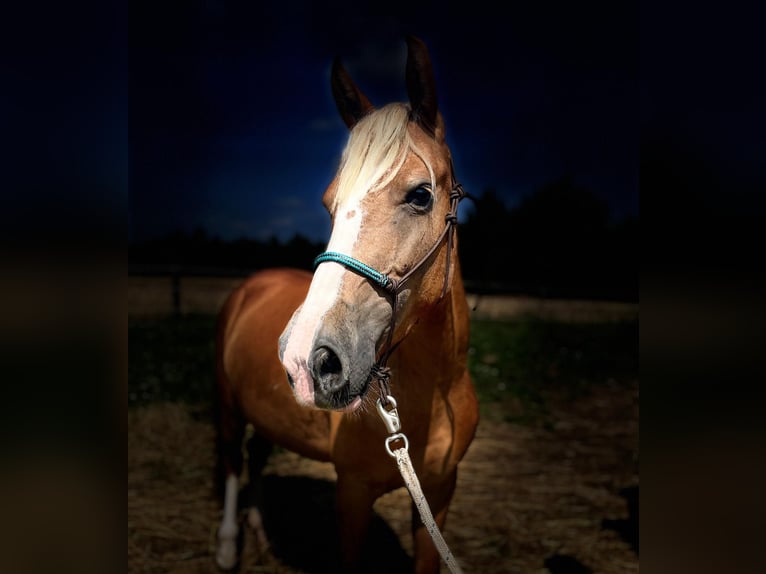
512, 362
171, 359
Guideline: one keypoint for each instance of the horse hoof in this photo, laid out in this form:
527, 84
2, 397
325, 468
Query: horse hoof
255, 521
226, 555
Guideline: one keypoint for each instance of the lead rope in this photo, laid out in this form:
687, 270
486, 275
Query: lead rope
382, 373
391, 417
402, 456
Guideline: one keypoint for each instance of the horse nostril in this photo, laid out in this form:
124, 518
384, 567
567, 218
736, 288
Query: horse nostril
329, 363
327, 368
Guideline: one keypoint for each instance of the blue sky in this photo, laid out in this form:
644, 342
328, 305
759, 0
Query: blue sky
233, 128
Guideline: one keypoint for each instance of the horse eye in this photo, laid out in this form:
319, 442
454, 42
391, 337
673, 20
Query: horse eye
420, 198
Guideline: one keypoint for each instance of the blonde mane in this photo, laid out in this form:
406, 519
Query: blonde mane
376, 150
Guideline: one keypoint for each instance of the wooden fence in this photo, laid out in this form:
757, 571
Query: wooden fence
154, 296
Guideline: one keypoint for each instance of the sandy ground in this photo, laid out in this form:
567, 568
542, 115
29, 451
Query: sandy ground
530, 498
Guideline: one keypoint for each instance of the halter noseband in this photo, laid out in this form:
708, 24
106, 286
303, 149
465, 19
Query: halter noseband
393, 287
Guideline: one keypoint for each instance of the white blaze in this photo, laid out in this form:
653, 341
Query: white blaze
373, 156
322, 296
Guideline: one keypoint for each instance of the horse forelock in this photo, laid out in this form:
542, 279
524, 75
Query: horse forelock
376, 150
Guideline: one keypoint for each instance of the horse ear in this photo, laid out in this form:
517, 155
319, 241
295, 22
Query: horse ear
352, 104
421, 86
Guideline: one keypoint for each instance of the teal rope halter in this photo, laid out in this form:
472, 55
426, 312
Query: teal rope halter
381, 279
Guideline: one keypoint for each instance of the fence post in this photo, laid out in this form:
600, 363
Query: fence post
176, 281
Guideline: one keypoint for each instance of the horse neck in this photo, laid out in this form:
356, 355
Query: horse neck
434, 355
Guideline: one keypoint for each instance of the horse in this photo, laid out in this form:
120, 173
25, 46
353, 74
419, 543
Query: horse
298, 355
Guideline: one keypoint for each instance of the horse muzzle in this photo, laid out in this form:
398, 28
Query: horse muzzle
330, 370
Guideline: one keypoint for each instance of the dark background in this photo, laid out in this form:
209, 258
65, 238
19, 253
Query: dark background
234, 135
68, 106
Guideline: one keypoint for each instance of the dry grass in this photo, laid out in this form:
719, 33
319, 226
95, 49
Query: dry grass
524, 493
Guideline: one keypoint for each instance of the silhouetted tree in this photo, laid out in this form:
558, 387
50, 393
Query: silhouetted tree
557, 241
200, 252
481, 240
563, 230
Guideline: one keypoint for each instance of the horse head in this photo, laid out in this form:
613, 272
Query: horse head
388, 203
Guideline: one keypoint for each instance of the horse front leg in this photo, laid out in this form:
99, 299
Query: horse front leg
438, 495
230, 431
259, 448
227, 552
354, 501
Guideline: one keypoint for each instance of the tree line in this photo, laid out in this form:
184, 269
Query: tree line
557, 242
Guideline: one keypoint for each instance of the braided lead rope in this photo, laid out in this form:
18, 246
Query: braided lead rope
382, 373
403, 461
416, 493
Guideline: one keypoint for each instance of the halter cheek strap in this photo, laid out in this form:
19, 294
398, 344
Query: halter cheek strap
393, 287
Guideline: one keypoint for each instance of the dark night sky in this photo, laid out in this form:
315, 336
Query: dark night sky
233, 128
219, 114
